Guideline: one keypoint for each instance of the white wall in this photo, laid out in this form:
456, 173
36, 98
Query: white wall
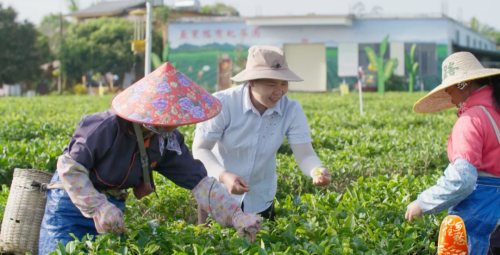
309, 62
348, 59
361, 31
397, 51
464, 32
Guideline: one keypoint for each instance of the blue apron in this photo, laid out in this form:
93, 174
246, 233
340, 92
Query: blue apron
62, 217
480, 212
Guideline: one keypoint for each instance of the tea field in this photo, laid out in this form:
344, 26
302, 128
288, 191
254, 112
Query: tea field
379, 163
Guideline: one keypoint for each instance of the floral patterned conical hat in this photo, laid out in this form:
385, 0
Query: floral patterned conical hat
166, 97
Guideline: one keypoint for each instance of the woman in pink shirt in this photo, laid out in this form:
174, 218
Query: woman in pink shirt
470, 186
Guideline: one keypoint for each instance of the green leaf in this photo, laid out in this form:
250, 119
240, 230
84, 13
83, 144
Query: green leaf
389, 66
415, 68
408, 63
412, 52
166, 49
372, 57
155, 59
350, 222
383, 47
262, 251
123, 250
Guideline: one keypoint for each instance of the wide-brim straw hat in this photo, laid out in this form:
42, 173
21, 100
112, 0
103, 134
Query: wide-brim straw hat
266, 62
458, 67
166, 97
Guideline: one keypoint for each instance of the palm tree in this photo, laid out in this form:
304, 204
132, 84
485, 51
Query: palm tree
73, 5
481, 28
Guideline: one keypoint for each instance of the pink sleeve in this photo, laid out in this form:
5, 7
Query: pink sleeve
466, 139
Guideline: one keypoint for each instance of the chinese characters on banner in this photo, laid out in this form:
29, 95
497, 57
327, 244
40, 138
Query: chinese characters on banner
219, 33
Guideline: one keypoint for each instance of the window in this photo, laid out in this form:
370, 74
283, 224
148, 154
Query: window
426, 56
363, 58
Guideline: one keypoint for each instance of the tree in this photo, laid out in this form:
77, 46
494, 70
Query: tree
161, 14
480, 28
22, 49
485, 29
220, 9
101, 45
73, 5
50, 27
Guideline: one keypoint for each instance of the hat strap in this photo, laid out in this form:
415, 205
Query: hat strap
142, 151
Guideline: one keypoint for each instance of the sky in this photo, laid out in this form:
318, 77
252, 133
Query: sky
486, 11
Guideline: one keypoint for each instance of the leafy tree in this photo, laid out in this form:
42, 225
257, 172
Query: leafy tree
485, 29
220, 8
73, 5
22, 51
50, 27
161, 14
101, 45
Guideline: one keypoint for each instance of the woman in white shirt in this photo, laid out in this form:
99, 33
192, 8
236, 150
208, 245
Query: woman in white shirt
238, 147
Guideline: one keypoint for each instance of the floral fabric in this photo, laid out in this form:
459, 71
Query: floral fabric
74, 177
224, 208
172, 143
473, 137
166, 97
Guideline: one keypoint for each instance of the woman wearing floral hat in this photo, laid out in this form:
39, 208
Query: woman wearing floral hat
238, 147
470, 186
118, 149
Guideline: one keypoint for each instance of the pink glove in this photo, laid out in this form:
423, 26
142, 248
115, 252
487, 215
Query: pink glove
109, 219
247, 224
224, 208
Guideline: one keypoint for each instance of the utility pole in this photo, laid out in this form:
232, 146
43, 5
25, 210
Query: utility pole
59, 78
147, 58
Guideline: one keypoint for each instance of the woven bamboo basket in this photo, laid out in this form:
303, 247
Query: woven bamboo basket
24, 212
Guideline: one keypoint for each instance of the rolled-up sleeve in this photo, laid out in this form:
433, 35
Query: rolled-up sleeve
183, 170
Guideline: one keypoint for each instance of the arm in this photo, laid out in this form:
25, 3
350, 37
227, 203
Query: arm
299, 138
90, 142
464, 151
207, 134
306, 158
74, 178
183, 170
457, 183
308, 163
202, 150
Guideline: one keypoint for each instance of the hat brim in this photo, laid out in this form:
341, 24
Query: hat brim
166, 97
439, 100
282, 74
179, 124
